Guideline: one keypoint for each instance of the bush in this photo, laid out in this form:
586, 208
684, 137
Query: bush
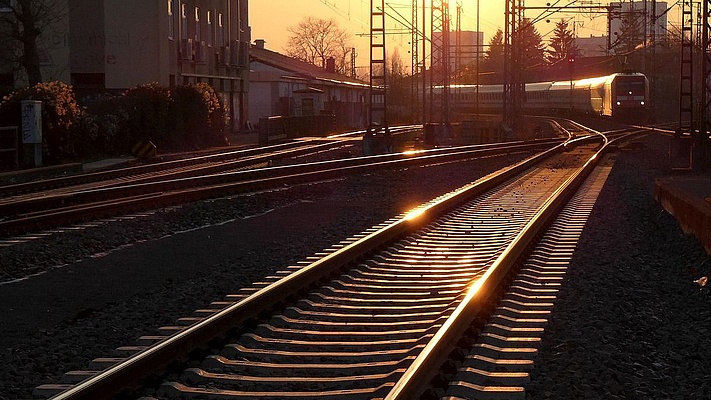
60, 116
200, 115
186, 118
148, 110
101, 128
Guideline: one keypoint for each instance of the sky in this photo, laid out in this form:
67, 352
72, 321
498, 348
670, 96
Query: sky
270, 19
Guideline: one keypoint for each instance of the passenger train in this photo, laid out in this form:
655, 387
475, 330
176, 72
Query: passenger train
620, 95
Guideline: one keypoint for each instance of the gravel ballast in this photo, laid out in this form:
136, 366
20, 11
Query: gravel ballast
630, 321
614, 332
164, 266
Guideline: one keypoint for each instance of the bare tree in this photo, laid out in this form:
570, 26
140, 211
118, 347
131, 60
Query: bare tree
630, 35
315, 40
397, 66
23, 22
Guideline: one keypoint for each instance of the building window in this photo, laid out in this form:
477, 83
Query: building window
198, 36
183, 21
210, 30
220, 30
171, 20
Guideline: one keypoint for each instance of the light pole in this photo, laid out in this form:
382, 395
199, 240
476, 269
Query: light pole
571, 65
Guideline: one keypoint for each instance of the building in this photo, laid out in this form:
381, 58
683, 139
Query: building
287, 87
593, 46
113, 45
463, 48
52, 46
630, 21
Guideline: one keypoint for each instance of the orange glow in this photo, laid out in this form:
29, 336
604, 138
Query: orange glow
414, 214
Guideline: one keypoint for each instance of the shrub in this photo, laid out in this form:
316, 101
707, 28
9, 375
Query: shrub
200, 116
101, 128
60, 116
148, 115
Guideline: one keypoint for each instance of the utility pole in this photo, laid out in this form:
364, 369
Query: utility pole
681, 152
478, 55
377, 138
425, 117
439, 65
458, 42
415, 62
354, 54
705, 128
686, 103
513, 88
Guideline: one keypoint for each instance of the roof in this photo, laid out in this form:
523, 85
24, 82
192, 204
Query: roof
292, 66
309, 90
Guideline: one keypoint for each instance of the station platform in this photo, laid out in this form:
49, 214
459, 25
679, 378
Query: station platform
688, 199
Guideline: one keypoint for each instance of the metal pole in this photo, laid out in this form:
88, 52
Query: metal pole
415, 61
478, 50
425, 117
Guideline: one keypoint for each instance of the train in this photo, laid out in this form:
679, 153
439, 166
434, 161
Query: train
619, 95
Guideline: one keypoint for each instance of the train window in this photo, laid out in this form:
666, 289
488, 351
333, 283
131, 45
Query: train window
632, 86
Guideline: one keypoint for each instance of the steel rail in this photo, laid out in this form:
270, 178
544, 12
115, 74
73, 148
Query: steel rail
427, 364
174, 192
177, 347
274, 151
11, 206
174, 169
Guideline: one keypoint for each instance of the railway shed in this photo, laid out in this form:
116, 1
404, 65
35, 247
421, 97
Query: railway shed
289, 88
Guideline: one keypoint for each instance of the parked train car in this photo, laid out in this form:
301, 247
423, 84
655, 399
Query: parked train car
619, 95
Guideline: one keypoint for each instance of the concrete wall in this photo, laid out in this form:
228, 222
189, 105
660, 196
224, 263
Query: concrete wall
133, 39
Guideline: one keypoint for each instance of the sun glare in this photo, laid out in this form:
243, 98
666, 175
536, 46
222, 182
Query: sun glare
414, 214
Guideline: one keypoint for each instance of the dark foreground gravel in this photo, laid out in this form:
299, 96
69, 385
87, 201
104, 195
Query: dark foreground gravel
630, 322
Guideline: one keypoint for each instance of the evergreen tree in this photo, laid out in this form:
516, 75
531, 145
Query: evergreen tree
562, 44
494, 55
530, 45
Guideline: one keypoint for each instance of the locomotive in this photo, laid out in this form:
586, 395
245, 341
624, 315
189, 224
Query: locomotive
620, 95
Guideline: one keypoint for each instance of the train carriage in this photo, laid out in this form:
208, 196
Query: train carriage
628, 95
619, 95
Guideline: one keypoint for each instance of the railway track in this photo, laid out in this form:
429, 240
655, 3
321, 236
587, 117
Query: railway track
50, 209
174, 169
375, 316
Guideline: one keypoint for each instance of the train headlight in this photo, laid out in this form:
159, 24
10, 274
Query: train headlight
618, 103
641, 103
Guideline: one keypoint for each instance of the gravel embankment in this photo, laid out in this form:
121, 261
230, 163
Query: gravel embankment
630, 322
61, 319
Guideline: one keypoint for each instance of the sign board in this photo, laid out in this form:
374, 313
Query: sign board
31, 111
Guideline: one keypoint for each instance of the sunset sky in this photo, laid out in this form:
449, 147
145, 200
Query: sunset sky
270, 19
